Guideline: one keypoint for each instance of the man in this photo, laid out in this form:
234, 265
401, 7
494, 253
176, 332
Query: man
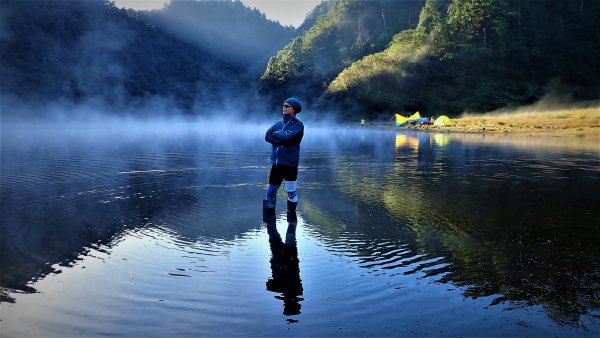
285, 137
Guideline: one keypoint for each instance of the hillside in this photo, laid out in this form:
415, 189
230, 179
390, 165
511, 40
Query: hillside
480, 56
343, 31
461, 55
367, 58
90, 51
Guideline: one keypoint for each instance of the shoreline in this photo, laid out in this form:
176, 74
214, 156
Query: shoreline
581, 122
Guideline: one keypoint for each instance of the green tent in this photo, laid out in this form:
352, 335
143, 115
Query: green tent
442, 121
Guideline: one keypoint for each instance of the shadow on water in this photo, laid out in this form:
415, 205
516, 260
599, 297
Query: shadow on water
285, 268
496, 221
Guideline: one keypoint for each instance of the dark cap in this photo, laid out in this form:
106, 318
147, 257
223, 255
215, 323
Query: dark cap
295, 104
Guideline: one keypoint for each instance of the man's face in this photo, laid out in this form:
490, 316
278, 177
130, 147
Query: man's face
287, 110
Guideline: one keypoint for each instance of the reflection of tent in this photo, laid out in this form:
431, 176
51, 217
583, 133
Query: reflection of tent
442, 121
403, 140
441, 139
400, 120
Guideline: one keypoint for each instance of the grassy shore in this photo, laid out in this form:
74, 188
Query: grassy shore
571, 121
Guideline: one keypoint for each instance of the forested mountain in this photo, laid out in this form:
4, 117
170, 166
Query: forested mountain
480, 56
80, 50
367, 57
461, 55
343, 31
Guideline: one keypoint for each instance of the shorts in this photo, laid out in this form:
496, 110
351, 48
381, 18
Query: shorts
280, 172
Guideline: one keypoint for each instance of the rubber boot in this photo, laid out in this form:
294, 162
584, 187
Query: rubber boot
268, 204
291, 211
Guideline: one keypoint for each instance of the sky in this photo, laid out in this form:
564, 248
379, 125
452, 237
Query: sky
287, 12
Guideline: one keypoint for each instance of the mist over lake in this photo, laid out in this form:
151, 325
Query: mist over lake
156, 228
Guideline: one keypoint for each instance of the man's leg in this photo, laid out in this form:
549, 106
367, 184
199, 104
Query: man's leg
291, 177
275, 179
272, 192
290, 188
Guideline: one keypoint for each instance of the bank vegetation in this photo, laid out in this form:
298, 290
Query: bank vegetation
584, 121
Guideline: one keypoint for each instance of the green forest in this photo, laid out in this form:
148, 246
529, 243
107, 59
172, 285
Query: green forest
454, 56
353, 57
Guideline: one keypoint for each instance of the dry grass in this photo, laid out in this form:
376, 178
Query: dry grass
571, 121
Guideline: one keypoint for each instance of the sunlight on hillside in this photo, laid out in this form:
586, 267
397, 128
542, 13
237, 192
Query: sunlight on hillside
404, 49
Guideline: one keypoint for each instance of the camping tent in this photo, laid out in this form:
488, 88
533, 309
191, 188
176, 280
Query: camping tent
401, 120
442, 121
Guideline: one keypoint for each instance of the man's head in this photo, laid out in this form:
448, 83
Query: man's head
291, 107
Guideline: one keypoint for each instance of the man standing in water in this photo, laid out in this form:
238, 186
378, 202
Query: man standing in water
285, 137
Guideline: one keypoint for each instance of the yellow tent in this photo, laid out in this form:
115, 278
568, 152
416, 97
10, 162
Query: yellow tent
442, 121
400, 120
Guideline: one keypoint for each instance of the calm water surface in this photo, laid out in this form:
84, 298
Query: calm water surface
159, 232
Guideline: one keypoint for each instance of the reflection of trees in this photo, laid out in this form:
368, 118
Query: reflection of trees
34, 239
484, 218
50, 221
58, 217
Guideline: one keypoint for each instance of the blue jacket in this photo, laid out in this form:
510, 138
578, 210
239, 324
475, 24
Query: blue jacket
285, 136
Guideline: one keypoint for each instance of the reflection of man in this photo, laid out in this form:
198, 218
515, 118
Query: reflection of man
284, 264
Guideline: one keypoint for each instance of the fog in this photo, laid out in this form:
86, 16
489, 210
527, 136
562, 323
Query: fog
558, 98
65, 66
153, 114
235, 37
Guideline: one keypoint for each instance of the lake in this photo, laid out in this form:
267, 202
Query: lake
157, 230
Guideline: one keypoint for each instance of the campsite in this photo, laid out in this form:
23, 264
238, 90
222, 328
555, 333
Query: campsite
579, 121
415, 120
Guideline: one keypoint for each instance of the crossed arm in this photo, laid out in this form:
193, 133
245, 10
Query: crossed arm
284, 137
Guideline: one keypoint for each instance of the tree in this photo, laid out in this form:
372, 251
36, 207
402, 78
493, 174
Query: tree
472, 21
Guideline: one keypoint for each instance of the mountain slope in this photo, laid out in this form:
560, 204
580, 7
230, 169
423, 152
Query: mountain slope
343, 32
479, 56
80, 51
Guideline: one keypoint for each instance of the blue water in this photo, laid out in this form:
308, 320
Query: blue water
158, 230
